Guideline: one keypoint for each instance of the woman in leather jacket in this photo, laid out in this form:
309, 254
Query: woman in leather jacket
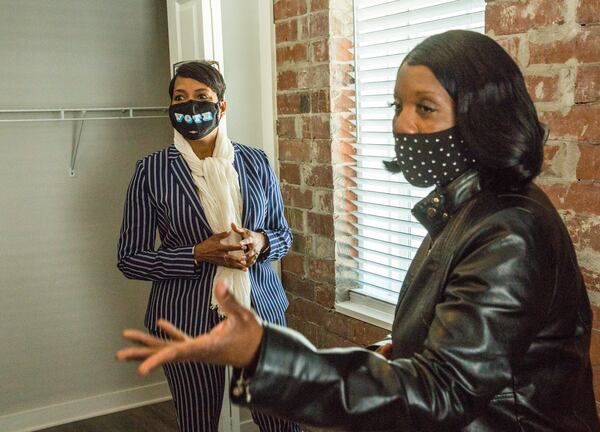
492, 326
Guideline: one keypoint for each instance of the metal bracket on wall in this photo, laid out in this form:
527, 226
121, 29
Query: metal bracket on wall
80, 115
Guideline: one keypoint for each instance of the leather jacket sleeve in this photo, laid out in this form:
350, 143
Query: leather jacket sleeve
495, 301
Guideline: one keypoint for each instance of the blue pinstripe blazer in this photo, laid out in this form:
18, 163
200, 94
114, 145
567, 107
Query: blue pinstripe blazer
162, 196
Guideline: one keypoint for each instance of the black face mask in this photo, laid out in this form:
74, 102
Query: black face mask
431, 159
194, 119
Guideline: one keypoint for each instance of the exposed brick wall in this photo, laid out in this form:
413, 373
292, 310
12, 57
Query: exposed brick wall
557, 45
315, 128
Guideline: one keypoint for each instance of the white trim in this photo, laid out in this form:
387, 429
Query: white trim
53, 415
368, 309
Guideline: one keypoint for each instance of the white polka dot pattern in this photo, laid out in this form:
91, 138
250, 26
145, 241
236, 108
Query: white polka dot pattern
432, 159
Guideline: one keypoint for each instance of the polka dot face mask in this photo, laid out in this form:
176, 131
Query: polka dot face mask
432, 159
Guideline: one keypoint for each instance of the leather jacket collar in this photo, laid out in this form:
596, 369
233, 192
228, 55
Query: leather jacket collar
435, 210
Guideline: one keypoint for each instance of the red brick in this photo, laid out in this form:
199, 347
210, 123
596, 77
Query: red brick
294, 150
518, 17
303, 30
341, 23
588, 45
342, 75
323, 201
511, 45
550, 152
295, 219
318, 176
307, 329
289, 173
339, 324
344, 101
293, 263
588, 167
292, 54
349, 174
325, 295
318, 24
314, 77
286, 127
542, 88
316, 126
341, 48
321, 224
283, 9
319, 101
322, 151
585, 233
582, 198
320, 51
301, 243
349, 206
293, 103
311, 311
374, 334
588, 12
587, 86
318, 5
287, 80
329, 340
596, 318
591, 278
296, 197
596, 381
346, 150
286, 31
552, 52
346, 126
581, 123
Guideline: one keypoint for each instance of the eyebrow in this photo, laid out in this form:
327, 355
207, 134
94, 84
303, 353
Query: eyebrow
427, 93
195, 91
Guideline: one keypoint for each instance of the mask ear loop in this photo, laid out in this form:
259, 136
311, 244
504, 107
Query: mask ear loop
219, 105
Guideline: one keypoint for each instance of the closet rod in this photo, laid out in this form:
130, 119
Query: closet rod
77, 114
80, 115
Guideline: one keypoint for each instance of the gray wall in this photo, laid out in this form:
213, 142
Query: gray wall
62, 299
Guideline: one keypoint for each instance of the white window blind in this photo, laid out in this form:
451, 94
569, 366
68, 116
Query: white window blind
387, 236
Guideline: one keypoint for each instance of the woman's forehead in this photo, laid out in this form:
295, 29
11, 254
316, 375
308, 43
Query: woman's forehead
417, 80
190, 84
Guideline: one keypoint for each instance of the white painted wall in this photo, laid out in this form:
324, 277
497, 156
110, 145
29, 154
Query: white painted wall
63, 301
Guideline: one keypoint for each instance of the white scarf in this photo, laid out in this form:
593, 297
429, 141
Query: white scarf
220, 195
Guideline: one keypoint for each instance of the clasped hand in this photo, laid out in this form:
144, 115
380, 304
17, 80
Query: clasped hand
234, 341
219, 251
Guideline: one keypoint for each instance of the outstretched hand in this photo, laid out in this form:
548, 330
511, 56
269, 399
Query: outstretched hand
234, 341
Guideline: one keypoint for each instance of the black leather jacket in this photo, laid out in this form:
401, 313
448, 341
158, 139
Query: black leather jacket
491, 332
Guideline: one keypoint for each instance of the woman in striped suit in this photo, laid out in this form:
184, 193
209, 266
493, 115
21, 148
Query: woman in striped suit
219, 214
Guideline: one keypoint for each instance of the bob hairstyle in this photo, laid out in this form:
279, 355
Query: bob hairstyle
203, 72
493, 111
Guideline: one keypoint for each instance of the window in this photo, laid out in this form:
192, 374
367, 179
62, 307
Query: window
387, 236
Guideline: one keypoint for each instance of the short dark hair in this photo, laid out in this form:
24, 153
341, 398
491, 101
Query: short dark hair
201, 71
494, 113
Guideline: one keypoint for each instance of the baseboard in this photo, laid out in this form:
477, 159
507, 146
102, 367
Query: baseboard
53, 415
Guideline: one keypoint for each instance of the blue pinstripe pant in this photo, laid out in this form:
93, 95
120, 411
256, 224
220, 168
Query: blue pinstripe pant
197, 390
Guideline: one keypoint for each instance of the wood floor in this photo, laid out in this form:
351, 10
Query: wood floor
151, 418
